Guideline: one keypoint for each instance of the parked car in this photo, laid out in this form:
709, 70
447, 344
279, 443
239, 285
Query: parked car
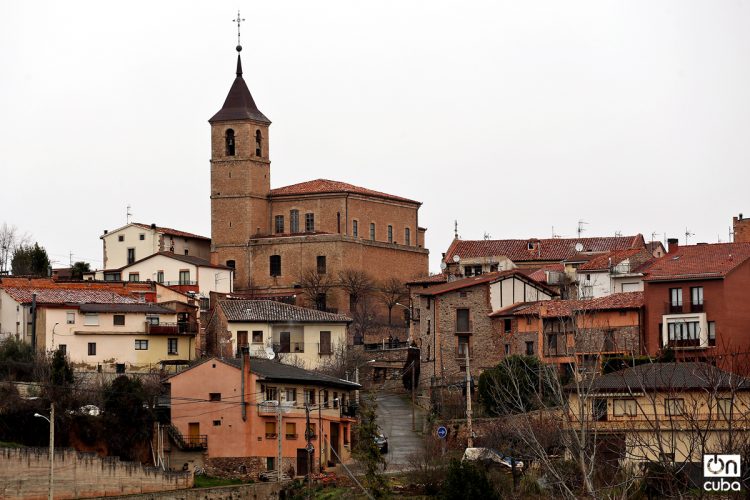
382, 442
488, 456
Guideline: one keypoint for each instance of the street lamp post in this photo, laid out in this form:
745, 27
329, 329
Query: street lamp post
51, 421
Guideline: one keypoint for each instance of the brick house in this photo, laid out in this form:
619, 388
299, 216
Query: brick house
573, 333
697, 302
271, 237
242, 410
450, 318
741, 229
300, 335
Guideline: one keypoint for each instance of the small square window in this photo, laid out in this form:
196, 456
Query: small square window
118, 320
141, 345
120, 368
121, 237
141, 236
530, 348
92, 348
257, 337
214, 396
171, 346
186, 251
217, 423
71, 318
63, 349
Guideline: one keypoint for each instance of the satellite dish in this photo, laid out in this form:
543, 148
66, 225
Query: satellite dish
579, 246
443, 265
269, 352
456, 259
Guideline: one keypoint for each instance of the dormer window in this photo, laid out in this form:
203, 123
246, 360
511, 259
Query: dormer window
229, 141
258, 141
530, 245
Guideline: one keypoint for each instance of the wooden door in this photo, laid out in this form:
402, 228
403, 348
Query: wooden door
194, 431
302, 462
285, 342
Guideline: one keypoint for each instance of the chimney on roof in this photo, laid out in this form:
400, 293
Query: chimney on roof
106, 231
672, 245
153, 226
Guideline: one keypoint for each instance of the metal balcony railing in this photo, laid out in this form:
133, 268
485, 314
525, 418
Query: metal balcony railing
187, 443
185, 328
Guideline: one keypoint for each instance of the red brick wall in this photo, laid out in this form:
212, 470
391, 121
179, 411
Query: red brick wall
725, 302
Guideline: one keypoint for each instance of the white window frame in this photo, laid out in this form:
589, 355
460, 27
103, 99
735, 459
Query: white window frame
91, 319
70, 317
624, 407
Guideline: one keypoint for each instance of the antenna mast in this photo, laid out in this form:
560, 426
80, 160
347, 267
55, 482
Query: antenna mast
580, 227
688, 234
128, 215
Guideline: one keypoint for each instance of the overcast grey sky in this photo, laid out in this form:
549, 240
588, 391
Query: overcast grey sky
511, 117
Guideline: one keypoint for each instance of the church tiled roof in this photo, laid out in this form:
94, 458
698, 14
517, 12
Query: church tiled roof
321, 186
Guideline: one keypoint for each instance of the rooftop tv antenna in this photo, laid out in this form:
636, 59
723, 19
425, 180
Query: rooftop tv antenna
731, 235
580, 227
553, 233
487, 236
653, 236
688, 234
128, 215
618, 233
455, 229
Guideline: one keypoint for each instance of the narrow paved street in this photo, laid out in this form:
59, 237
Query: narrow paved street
394, 419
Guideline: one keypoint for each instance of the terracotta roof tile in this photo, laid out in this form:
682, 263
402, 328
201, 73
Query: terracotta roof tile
479, 280
699, 262
605, 261
553, 249
274, 311
171, 232
321, 186
563, 308
67, 296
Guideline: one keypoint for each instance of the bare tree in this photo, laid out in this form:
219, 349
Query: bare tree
392, 292
357, 284
316, 287
10, 240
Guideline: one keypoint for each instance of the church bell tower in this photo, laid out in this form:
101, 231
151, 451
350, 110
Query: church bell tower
240, 169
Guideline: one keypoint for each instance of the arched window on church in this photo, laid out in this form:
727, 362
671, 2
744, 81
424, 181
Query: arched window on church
258, 140
229, 141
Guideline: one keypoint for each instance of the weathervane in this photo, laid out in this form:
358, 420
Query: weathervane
238, 21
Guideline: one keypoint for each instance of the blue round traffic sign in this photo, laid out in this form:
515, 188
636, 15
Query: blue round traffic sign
442, 432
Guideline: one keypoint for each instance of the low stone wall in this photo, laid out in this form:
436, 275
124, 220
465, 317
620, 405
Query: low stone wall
24, 474
243, 468
256, 491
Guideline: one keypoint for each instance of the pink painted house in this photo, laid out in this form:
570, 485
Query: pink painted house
247, 412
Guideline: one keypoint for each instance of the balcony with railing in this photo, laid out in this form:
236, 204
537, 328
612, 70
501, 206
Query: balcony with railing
179, 328
187, 443
289, 347
325, 348
684, 307
268, 408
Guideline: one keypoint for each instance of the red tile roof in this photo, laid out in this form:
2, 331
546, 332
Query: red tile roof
699, 262
540, 274
172, 232
552, 249
479, 280
67, 296
322, 186
53, 292
562, 308
428, 280
608, 260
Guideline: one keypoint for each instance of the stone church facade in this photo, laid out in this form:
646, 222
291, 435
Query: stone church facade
272, 236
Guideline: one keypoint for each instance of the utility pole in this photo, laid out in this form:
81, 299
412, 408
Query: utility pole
51, 449
470, 440
308, 438
320, 433
413, 398
278, 434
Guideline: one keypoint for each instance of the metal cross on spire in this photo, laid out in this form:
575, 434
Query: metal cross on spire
238, 21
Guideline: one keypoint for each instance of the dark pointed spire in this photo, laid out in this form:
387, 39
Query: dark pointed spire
239, 104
